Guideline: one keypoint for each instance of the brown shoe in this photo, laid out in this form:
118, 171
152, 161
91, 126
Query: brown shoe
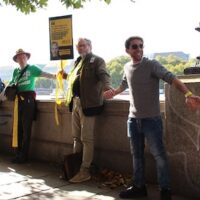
83, 175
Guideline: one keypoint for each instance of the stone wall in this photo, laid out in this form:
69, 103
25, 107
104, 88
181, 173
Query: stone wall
50, 142
182, 137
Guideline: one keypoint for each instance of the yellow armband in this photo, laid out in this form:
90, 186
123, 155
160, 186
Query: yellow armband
188, 94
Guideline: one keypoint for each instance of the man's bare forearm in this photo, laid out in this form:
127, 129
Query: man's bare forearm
48, 75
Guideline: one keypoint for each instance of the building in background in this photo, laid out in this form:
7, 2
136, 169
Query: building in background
178, 54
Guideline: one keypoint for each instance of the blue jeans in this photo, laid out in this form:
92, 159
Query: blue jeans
152, 130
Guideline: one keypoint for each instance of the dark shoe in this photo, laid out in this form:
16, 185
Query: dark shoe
165, 194
19, 160
15, 160
133, 192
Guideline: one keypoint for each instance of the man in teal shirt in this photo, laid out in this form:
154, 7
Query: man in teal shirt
26, 101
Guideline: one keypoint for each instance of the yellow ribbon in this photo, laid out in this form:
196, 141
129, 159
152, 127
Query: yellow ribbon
59, 89
15, 123
56, 115
70, 81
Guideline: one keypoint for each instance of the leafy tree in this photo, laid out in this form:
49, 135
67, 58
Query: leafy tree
27, 6
171, 60
174, 64
115, 68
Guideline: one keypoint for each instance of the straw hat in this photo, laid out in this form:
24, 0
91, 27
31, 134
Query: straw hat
21, 51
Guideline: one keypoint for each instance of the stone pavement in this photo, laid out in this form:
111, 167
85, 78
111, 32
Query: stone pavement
40, 181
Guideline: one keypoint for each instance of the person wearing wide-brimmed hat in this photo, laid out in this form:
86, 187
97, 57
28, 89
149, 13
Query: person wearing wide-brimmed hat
19, 52
26, 102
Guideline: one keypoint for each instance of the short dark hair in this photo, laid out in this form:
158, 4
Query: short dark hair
128, 41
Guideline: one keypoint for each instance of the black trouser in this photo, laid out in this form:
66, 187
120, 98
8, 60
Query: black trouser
26, 113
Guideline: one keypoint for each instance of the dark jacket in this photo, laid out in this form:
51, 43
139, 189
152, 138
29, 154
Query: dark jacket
94, 79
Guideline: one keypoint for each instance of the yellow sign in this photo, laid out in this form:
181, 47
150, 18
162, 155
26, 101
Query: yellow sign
61, 37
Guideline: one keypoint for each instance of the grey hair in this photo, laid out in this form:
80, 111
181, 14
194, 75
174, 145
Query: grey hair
87, 40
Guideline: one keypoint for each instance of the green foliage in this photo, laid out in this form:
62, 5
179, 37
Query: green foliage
174, 64
115, 68
28, 6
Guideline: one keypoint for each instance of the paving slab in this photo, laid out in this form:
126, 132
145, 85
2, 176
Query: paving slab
69, 193
40, 181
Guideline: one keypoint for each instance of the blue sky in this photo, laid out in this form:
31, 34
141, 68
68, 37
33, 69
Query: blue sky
165, 25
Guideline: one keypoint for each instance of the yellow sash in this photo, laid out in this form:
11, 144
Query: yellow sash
15, 123
59, 90
70, 81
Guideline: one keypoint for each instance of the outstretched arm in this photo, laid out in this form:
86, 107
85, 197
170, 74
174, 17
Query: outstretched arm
112, 92
191, 100
48, 75
53, 76
180, 86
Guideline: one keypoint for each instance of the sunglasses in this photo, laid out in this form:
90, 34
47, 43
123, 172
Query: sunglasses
135, 46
